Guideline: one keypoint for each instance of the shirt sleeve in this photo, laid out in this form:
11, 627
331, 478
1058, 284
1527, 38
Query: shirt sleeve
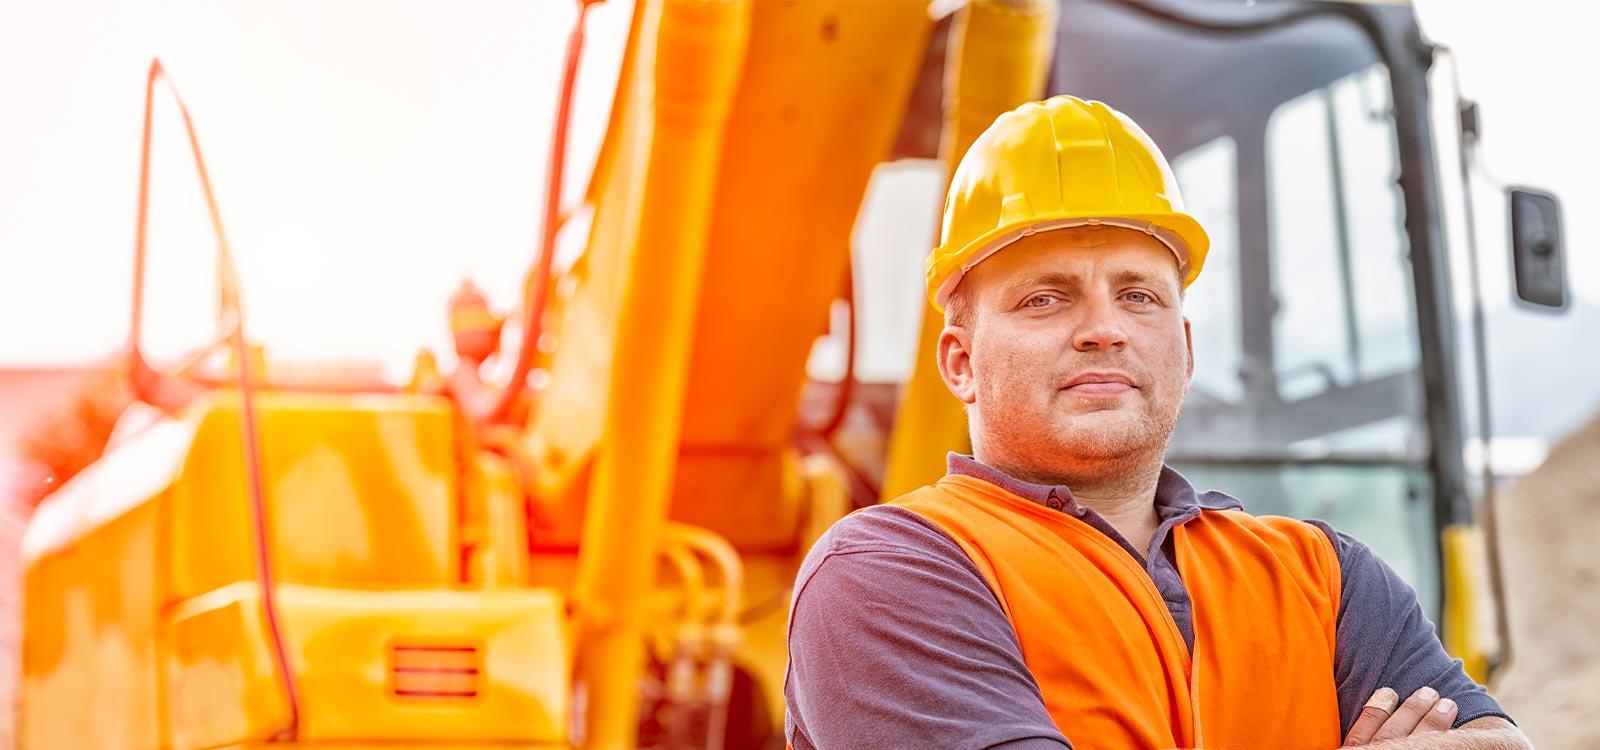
1384, 640
895, 640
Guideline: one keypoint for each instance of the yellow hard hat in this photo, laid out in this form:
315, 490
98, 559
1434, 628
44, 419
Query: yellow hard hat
1059, 163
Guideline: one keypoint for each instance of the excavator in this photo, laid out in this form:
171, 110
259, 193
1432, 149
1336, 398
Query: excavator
598, 550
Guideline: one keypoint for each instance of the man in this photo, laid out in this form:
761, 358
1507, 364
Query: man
1061, 587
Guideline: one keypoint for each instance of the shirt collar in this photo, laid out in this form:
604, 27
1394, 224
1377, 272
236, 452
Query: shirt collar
1176, 498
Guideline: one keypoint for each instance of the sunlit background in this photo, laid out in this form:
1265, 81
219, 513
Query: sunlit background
370, 156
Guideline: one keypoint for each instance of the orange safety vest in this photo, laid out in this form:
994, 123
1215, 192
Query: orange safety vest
1109, 659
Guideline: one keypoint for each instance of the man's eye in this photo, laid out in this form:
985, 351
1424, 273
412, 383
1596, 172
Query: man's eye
1041, 300
1139, 297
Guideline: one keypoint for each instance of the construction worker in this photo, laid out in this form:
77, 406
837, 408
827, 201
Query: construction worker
1061, 587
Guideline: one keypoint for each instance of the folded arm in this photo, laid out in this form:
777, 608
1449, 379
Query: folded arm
1384, 639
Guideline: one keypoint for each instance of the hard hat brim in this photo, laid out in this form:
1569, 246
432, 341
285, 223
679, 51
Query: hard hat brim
1178, 231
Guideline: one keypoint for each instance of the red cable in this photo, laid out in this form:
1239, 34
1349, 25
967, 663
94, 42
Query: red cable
537, 290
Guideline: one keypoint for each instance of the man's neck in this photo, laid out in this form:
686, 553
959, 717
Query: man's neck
1123, 493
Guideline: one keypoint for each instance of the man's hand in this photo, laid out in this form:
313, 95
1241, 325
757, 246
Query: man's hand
1385, 718
1420, 723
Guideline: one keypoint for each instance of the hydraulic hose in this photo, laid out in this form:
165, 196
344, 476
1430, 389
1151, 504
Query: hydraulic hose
536, 291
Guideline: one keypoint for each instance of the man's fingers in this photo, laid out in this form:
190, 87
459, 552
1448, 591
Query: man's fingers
1373, 715
1442, 717
1408, 715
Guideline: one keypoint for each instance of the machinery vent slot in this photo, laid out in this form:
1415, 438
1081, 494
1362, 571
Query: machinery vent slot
435, 671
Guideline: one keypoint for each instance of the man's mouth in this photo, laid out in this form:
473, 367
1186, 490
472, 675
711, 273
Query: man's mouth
1100, 383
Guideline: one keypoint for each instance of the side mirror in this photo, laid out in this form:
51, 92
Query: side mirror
1537, 256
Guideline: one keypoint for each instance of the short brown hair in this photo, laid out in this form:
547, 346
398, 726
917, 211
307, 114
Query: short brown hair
958, 309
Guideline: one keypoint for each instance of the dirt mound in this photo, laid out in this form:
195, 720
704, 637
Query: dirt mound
1549, 523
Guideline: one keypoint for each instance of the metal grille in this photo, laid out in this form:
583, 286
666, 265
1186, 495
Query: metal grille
434, 671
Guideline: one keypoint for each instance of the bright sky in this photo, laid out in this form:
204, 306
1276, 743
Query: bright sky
367, 156
370, 154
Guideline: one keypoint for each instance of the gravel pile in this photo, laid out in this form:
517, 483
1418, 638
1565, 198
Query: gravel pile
1550, 541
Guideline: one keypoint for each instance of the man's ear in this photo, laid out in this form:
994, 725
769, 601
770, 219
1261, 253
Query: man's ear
1188, 346
955, 363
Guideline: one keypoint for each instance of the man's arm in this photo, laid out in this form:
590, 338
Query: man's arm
895, 640
1384, 639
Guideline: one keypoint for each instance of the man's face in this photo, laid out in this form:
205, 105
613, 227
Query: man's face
1074, 356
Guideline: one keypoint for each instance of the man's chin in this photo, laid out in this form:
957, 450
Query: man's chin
1109, 435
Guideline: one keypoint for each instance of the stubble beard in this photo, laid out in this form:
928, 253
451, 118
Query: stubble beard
1101, 445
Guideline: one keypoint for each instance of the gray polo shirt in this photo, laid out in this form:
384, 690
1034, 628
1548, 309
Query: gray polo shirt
896, 640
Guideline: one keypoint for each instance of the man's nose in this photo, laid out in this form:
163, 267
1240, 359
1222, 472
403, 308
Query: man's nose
1100, 328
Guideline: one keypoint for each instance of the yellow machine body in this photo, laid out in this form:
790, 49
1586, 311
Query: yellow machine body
398, 534
141, 590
